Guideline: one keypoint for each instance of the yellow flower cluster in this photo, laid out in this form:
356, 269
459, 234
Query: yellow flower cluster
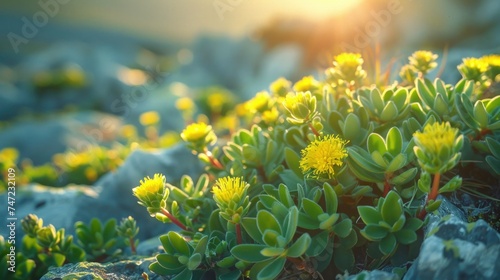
436, 137
438, 147
150, 186
423, 61
280, 87
230, 194
349, 62
259, 103
322, 155
149, 118
196, 131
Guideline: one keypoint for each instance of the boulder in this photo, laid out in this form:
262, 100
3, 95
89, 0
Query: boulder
455, 249
110, 197
126, 269
39, 139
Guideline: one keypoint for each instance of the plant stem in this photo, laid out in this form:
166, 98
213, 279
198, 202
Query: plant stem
213, 161
173, 219
239, 238
316, 133
387, 187
432, 195
132, 245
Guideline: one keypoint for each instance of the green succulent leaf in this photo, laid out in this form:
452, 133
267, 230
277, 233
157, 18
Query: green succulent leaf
292, 222
270, 237
388, 244
158, 269
397, 163
375, 142
249, 252
404, 177
480, 114
272, 251
169, 262
406, 236
369, 215
311, 208
266, 220
392, 209
293, 161
374, 232
329, 222
343, 228
186, 274
300, 246
331, 199
194, 261
272, 269
250, 226
318, 244
390, 112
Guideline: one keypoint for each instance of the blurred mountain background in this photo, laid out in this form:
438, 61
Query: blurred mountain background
66, 65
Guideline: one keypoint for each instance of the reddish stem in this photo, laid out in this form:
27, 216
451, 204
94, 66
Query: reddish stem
313, 130
173, 219
132, 245
387, 187
299, 264
213, 161
239, 238
432, 195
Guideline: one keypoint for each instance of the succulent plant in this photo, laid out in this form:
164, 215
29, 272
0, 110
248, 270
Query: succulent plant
388, 225
100, 241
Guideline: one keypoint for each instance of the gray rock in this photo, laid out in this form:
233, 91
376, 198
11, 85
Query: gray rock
127, 269
373, 275
60, 207
455, 249
12, 101
111, 197
150, 247
40, 139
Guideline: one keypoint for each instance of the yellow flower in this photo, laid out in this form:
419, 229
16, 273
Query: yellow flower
349, 62
306, 83
259, 103
322, 155
436, 136
347, 67
196, 132
9, 154
152, 193
301, 107
270, 116
216, 101
280, 87
91, 174
149, 118
184, 104
423, 61
230, 194
129, 131
492, 59
150, 186
438, 147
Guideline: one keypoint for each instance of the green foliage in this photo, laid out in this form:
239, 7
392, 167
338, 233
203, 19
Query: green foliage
129, 230
259, 213
101, 242
388, 225
42, 246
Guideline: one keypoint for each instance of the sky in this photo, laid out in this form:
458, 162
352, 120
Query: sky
184, 20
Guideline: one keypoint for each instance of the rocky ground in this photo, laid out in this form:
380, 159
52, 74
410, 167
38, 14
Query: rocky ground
58, 96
